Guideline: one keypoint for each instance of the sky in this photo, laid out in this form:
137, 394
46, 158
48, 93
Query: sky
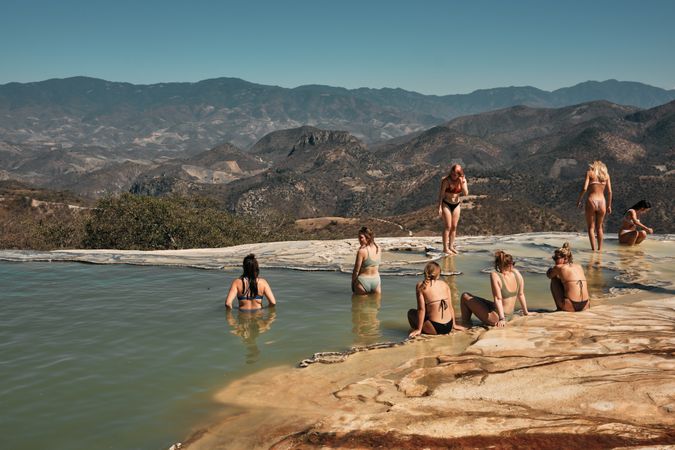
432, 47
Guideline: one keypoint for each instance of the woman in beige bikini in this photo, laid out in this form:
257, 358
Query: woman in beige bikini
434, 313
630, 233
507, 285
597, 181
449, 209
366, 276
568, 282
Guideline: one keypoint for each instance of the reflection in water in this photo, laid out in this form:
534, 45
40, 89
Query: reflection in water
448, 266
248, 325
633, 265
594, 276
365, 325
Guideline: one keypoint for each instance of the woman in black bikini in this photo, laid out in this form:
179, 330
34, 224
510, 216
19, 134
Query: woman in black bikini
597, 181
568, 282
452, 187
507, 285
630, 232
249, 289
434, 313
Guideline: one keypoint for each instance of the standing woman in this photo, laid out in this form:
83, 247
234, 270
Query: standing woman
249, 289
597, 181
452, 187
507, 285
366, 276
630, 232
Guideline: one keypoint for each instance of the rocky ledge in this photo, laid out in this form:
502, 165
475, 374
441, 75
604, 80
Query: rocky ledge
603, 378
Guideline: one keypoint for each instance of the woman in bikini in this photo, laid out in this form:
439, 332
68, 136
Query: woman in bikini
507, 285
249, 289
630, 232
434, 313
597, 181
568, 282
452, 187
366, 276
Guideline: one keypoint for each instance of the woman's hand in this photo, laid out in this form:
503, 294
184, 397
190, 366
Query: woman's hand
579, 204
501, 323
650, 230
440, 211
414, 333
609, 209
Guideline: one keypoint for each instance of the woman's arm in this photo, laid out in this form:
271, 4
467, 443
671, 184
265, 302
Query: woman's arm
421, 312
465, 186
497, 296
554, 271
357, 266
609, 195
521, 295
636, 221
441, 196
269, 294
583, 190
231, 295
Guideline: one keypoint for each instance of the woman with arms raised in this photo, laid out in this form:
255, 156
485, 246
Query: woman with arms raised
449, 209
366, 276
507, 285
434, 313
249, 289
597, 181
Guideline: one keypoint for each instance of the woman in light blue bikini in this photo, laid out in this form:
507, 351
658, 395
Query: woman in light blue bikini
366, 276
249, 289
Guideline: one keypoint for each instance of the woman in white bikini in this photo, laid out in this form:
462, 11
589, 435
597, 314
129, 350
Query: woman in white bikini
630, 232
507, 285
434, 313
366, 276
597, 181
249, 289
452, 187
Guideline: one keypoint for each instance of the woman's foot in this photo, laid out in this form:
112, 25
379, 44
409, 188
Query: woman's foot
454, 251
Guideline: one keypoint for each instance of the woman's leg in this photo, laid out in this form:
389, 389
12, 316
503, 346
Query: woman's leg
589, 212
482, 308
358, 289
453, 229
641, 236
447, 225
628, 238
558, 292
427, 327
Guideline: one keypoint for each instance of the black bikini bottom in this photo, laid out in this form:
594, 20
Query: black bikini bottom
578, 305
442, 328
451, 206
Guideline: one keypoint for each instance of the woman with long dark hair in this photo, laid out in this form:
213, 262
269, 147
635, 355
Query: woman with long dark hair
452, 186
507, 285
366, 274
249, 289
434, 313
597, 182
633, 231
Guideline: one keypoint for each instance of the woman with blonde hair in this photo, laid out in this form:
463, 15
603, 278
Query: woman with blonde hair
597, 181
452, 186
366, 276
434, 313
507, 285
568, 282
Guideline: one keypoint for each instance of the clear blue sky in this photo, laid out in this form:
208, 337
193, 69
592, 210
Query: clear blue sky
433, 47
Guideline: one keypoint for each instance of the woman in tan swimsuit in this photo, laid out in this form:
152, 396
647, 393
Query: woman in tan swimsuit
449, 209
568, 282
597, 181
630, 232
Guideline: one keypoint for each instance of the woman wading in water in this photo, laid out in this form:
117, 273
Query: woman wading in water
249, 289
568, 282
507, 285
597, 181
630, 232
449, 209
366, 276
434, 313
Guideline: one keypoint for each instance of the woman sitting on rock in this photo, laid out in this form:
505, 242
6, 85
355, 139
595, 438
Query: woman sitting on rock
434, 313
507, 284
249, 289
568, 282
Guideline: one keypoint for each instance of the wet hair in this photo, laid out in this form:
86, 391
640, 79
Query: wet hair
251, 271
369, 235
502, 260
599, 170
432, 271
642, 204
565, 251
